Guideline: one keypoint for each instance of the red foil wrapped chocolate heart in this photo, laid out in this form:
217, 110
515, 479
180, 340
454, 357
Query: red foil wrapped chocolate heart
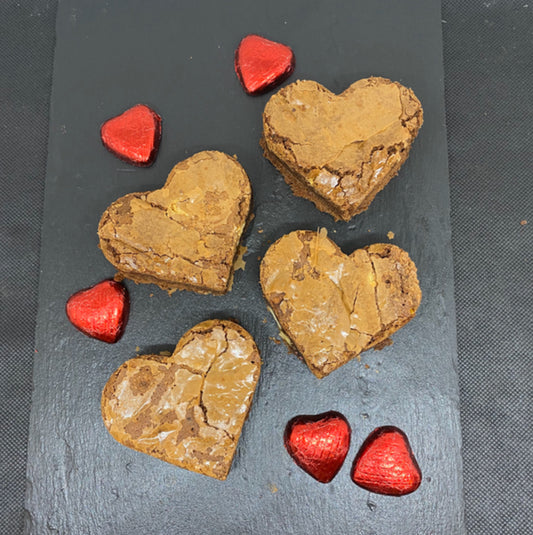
134, 135
385, 464
262, 64
100, 311
318, 443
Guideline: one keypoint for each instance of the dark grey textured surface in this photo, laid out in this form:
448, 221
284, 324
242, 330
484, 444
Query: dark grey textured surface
487, 45
26, 54
488, 60
80, 480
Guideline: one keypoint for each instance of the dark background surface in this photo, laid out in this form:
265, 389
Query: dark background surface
487, 53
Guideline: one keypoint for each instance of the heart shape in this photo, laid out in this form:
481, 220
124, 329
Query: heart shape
333, 306
186, 234
339, 151
100, 311
318, 443
134, 135
385, 464
187, 409
261, 64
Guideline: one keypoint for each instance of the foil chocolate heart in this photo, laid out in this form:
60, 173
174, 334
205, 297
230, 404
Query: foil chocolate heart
318, 443
134, 135
261, 64
100, 311
385, 463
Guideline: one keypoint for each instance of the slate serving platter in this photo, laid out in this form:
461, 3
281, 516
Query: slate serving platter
178, 58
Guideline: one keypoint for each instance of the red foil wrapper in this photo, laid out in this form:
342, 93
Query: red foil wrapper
262, 64
385, 464
100, 311
318, 444
134, 135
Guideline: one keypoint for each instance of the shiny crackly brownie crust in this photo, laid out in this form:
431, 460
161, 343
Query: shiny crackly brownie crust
339, 151
334, 306
185, 235
187, 409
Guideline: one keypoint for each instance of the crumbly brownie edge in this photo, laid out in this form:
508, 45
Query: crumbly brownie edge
299, 186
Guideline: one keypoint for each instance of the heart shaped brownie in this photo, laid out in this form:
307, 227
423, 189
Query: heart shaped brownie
187, 409
332, 306
185, 235
339, 151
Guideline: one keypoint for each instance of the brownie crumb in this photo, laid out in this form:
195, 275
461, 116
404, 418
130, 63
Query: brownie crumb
384, 343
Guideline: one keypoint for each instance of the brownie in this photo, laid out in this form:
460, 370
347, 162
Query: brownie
332, 306
185, 235
339, 151
187, 409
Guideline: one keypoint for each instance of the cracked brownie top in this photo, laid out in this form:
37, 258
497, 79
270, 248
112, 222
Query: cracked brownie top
333, 306
187, 409
339, 151
186, 234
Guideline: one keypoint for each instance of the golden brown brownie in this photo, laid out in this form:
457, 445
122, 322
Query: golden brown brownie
185, 235
333, 306
339, 151
187, 409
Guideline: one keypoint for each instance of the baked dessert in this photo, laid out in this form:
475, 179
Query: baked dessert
332, 306
339, 151
187, 409
134, 135
185, 235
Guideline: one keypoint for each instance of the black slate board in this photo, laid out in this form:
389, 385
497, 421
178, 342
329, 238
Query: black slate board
179, 59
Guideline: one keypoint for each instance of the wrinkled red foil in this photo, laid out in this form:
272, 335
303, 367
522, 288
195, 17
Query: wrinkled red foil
318, 444
385, 464
262, 64
134, 135
100, 311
